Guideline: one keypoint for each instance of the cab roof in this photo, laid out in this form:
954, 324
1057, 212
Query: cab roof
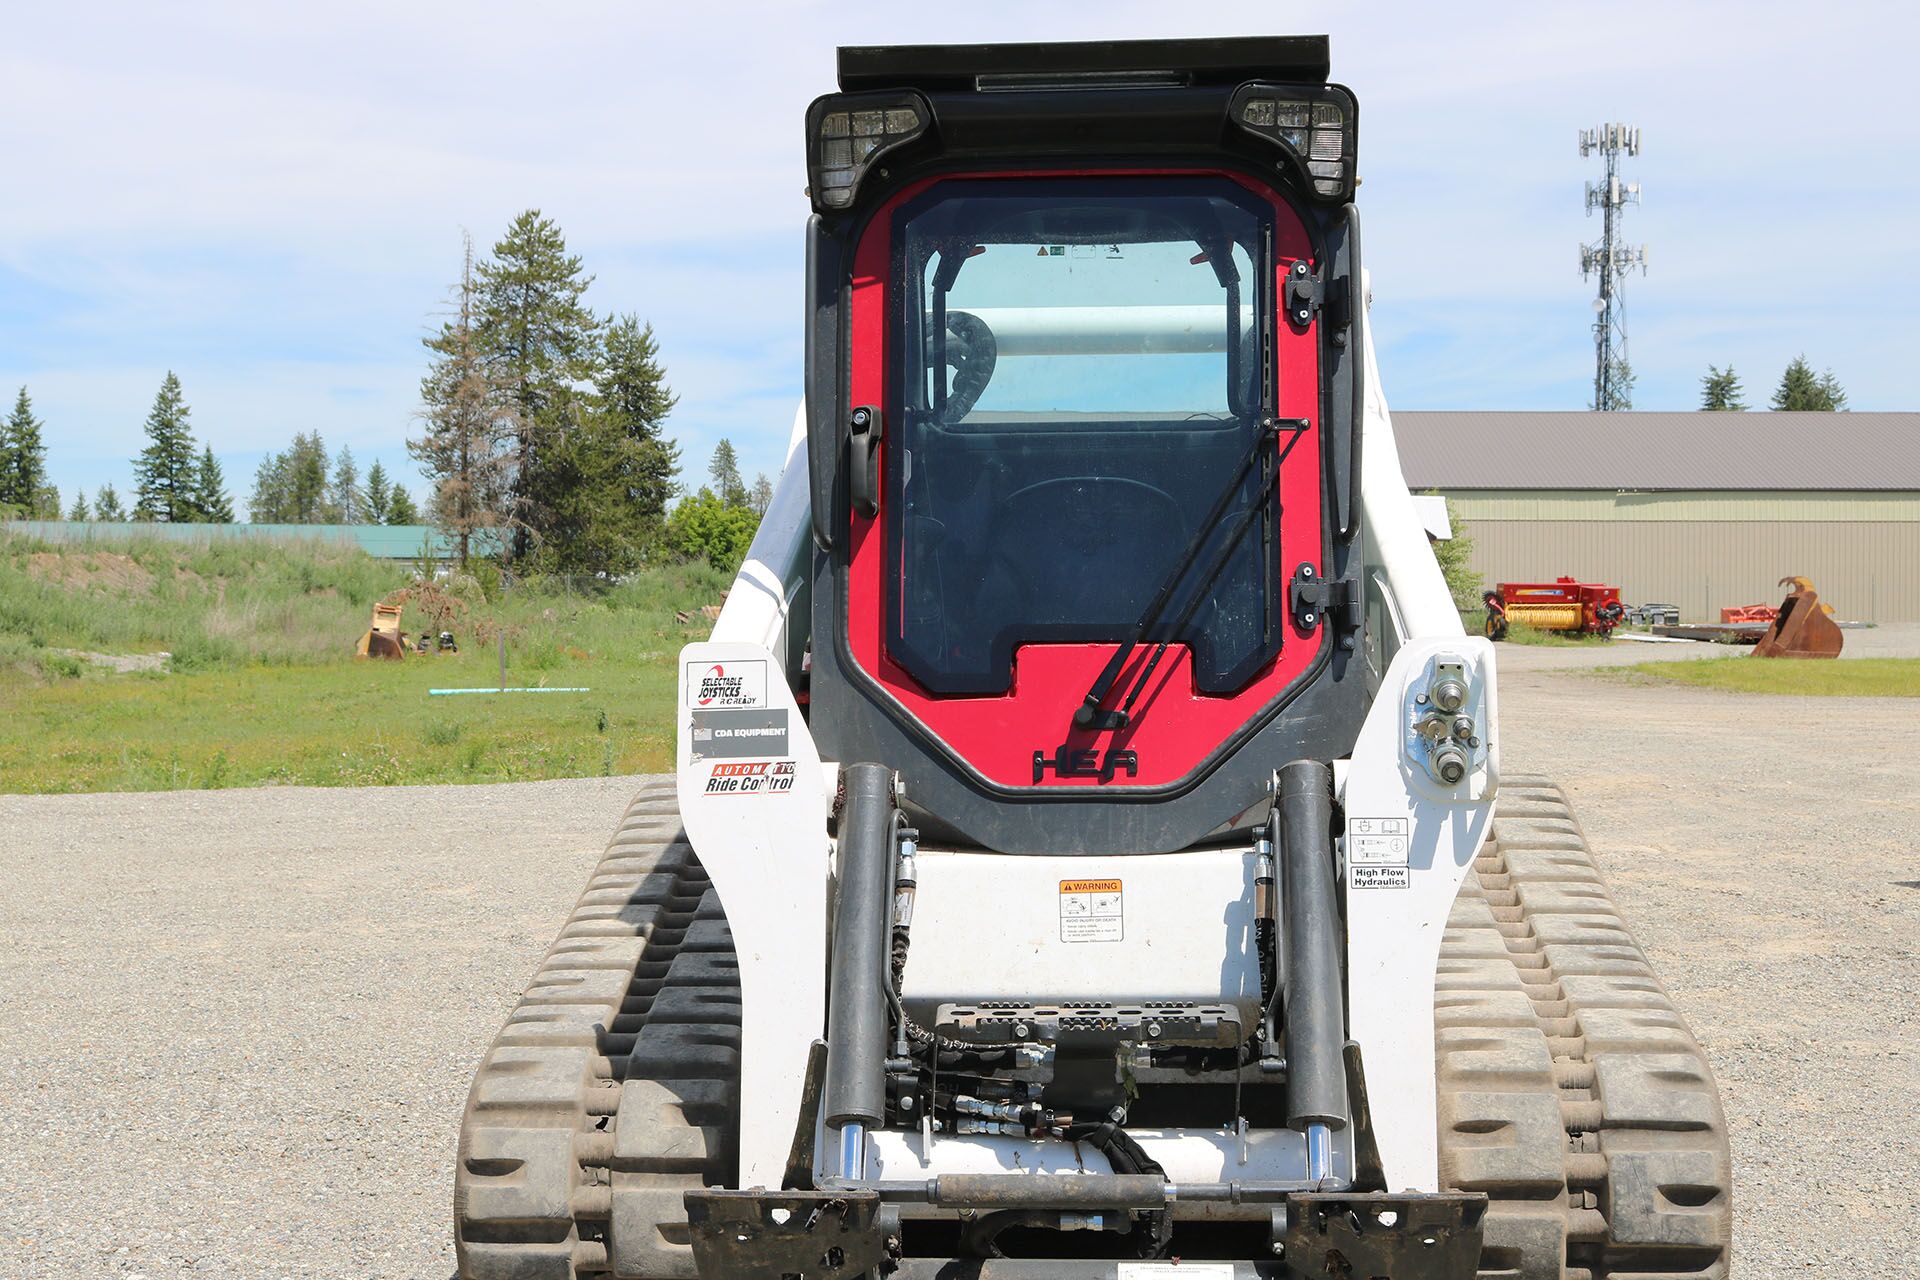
1105, 63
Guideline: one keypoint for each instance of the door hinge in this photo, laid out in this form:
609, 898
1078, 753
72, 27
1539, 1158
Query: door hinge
1313, 599
1302, 294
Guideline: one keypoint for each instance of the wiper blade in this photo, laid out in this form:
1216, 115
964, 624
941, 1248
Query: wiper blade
1090, 714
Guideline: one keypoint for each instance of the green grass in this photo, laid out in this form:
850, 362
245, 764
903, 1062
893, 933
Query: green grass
1804, 677
222, 605
262, 686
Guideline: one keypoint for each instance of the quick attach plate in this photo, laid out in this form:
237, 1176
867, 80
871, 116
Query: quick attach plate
785, 1235
1406, 1236
1093, 1023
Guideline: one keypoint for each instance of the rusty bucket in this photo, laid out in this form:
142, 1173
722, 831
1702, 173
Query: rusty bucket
1803, 628
383, 637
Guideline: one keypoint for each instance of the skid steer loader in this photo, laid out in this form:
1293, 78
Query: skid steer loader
1082, 859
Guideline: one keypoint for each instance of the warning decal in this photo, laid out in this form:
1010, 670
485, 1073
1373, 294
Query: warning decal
1092, 911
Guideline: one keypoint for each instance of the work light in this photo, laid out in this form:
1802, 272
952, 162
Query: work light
1318, 132
847, 132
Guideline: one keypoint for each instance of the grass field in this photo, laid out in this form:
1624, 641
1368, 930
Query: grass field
259, 684
1852, 678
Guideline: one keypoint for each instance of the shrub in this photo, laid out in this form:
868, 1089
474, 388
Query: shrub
1454, 554
703, 527
198, 651
441, 733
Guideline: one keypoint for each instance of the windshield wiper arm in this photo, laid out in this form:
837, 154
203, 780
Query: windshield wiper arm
1090, 714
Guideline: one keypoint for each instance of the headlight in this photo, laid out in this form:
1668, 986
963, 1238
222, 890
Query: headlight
1318, 132
846, 133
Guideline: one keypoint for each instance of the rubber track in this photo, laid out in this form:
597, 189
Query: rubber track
613, 1087
1571, 1091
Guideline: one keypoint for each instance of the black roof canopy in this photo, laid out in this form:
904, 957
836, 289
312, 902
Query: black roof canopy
1295, 59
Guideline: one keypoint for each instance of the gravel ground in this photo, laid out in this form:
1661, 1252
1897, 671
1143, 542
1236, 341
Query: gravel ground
1766, 852
236, 1028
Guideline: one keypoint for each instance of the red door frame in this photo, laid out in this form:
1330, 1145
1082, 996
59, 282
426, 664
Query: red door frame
1175, 727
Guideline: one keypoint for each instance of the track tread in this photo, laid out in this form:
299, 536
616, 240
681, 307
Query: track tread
614, 1087
1571, 1090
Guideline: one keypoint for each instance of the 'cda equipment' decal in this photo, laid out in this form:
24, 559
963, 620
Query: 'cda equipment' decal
1377, 853
739, 734
727, 684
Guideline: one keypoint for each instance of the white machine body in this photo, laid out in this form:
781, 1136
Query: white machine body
755, 798
1148, 928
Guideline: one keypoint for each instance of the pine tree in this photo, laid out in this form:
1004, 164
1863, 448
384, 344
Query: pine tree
271, 485
1801, 391
1721, 392
377, 489
471, 427
541, 343
6, 467
1832, 393
292, 487
211, 502
165, 472
608, 477
23, 460
761, 495
633, 390
725, 471
307, 496
587, 524
106, 505
400, 508
348, 497
79, 510
1798, 389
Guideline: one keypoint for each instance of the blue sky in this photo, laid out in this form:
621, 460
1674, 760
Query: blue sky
269, 199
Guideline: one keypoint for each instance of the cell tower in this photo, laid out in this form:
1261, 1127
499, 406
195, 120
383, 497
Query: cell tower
1612, 261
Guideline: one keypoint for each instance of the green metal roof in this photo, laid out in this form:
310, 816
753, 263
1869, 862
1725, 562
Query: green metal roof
382, 541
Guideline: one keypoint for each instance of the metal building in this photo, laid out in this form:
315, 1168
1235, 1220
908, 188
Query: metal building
1698, 510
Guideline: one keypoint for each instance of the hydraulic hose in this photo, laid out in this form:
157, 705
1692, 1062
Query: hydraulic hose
1153, 1231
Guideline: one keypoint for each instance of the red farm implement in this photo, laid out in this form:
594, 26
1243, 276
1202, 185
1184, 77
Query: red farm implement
1564, 605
